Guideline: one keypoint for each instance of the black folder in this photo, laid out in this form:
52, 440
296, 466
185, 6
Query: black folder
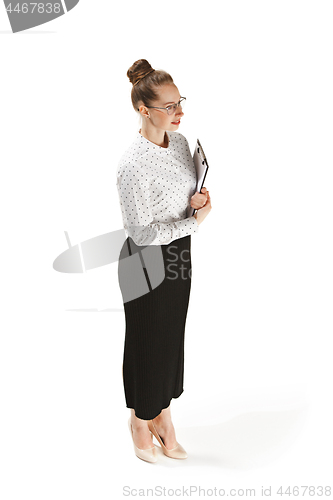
201, 167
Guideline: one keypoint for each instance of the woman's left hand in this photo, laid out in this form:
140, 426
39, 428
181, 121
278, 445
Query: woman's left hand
199, 200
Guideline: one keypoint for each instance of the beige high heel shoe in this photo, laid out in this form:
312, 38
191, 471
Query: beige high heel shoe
177, 452
149, 454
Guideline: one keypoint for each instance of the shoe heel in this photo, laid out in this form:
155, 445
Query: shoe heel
177, 452
149, 454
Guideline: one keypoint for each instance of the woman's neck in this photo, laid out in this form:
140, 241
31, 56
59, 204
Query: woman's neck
156, 136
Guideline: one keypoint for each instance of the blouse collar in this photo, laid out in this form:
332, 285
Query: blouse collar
152, 144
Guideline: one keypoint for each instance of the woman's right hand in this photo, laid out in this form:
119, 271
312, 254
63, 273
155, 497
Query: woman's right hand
202, 213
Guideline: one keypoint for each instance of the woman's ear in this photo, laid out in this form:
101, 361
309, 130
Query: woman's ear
143, 110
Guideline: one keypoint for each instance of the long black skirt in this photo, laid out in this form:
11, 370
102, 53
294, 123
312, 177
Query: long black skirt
153, 360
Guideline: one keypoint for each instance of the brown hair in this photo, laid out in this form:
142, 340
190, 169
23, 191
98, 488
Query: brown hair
145, 79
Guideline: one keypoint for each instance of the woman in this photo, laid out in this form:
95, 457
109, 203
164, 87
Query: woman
156, 182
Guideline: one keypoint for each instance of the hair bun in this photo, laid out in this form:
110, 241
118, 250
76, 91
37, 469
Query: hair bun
139, 70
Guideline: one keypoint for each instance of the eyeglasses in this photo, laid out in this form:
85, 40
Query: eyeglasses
172, 108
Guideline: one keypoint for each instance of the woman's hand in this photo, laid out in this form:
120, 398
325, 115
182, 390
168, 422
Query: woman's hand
199, 200
202, 213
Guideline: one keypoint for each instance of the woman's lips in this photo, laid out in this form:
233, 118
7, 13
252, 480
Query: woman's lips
176, 123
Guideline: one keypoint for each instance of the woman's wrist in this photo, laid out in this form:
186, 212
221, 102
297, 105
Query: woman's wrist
195, 215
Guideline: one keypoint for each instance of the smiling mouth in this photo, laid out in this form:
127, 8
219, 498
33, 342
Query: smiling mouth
176, 123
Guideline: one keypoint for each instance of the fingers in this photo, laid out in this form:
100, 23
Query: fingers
197, 206
199, 197
205, 192
200, 200
195, 202
208, 202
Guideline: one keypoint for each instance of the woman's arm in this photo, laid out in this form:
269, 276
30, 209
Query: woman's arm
133, 190
202, 213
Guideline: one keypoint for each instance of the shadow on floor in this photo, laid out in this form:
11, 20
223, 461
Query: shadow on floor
247, 441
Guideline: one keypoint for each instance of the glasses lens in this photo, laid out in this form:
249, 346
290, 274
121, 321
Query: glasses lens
172, 109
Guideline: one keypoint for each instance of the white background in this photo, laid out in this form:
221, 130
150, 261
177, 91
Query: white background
257, 403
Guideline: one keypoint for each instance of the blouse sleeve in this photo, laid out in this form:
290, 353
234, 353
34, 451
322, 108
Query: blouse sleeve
134, 195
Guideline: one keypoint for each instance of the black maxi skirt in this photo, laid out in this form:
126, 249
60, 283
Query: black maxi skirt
153, 359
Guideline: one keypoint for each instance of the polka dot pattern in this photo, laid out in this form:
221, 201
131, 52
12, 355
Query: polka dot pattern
155, 186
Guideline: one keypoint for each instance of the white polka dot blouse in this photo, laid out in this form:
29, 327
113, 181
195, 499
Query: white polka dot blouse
155, 186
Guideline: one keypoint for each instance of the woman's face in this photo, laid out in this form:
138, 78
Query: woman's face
159, 118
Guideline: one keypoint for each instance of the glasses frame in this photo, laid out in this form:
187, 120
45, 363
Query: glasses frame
176, 105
